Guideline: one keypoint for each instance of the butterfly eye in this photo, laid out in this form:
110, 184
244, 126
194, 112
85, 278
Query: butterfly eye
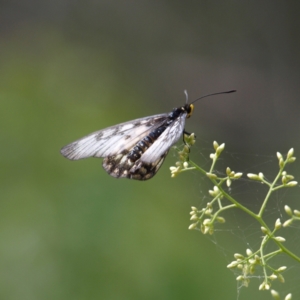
190, 110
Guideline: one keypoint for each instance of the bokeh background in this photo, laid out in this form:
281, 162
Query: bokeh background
68, 68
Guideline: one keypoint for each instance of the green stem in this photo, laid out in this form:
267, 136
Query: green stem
213, 164
222, 209
264, 241
278, 187
258, 216
187, 169
287, 251
242, 207
264, 204
271, 254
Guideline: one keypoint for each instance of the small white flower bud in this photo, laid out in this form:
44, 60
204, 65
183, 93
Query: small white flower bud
287, 223
281, 163
262, 286
279, 239
220, 149
284, 179
279, 155
194, 218
216, 145
288, 297
211, 176
281, 278
193, 226
264, 230
281, 269
291, 183
290, 153
212, 193
249, 252
221, 220
288, 210
275, 295
206, 221
238, 175
253, 176
277, 224
206, 229
233, 264
273, 277
239, 256
208, 211
215, 192
297, 212
228, 171
292, 159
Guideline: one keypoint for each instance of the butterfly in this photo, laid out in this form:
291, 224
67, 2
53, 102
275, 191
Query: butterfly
134, 149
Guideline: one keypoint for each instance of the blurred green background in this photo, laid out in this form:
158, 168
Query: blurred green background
68, 68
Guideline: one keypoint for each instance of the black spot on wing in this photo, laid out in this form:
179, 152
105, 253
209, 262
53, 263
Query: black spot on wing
120, 166
99, 135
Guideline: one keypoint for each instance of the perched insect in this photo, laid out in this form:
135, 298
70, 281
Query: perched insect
134, 149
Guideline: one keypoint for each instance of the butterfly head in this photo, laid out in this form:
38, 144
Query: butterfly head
189, 108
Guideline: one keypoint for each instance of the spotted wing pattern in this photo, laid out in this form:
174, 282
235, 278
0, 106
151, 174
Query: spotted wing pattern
148, 164
121, 166
134, 149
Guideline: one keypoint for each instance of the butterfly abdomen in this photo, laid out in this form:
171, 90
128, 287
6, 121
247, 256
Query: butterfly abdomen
145, 143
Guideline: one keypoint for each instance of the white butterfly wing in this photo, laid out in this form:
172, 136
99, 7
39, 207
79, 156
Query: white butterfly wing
165, 141
114, 139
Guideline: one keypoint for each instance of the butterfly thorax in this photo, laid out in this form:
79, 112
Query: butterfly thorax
187, 108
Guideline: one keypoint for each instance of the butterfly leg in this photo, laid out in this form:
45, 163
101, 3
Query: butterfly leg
188, 133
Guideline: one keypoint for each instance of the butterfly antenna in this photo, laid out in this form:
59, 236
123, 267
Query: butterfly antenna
186, 96
226, 92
